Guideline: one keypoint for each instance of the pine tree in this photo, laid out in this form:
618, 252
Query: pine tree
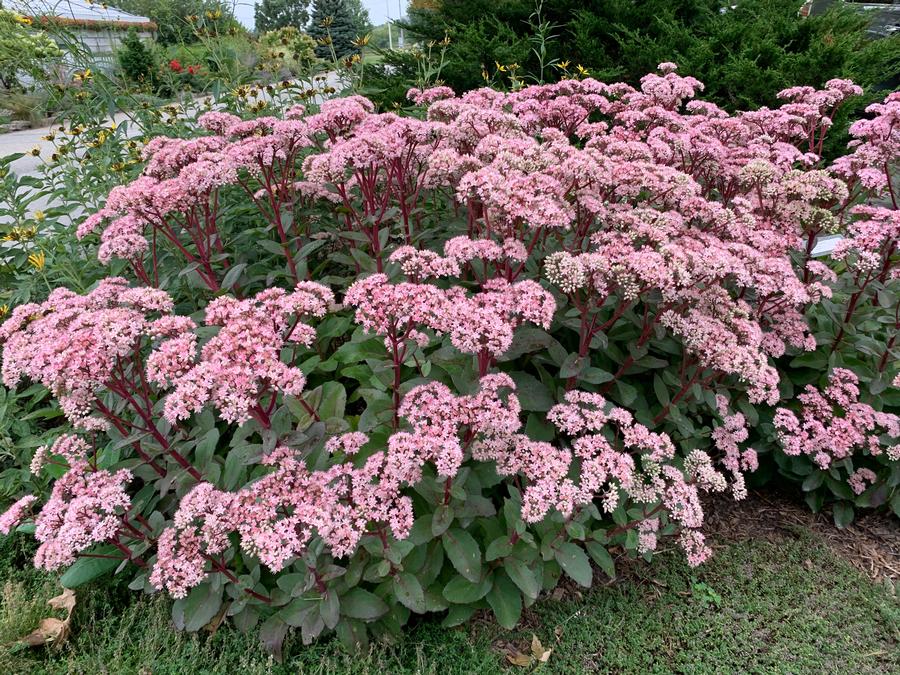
135, 58
332, 17
275, 14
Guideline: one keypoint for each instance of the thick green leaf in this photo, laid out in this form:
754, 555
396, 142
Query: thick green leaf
523, 577
272, 633
206, 448
843, 514
334, 400
572, 366
461, 591
813, 481
296, 611
532, 393
198, 608
443, 517
361, 604
409, 592
457, 615
464, 553
499, 548
87, 569
353, 635
575, 563
505, 600
232, 275
602, 557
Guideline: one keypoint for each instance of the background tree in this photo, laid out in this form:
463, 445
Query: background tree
360, 17
180, 21
22, 49
136, 58
332, 17
745, 54
274, 14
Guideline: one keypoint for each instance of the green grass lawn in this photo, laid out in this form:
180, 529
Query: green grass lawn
789, 606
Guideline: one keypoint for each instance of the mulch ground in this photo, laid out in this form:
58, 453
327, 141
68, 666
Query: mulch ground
871, 543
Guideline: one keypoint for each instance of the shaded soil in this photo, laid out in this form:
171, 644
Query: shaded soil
871, 543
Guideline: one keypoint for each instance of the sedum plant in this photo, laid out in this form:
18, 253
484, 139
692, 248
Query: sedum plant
350, 367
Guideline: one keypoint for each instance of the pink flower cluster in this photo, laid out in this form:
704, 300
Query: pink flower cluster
480, 323
277, 515
85, 508
875, 148
16, 513
834, 425
241, 363
76, 345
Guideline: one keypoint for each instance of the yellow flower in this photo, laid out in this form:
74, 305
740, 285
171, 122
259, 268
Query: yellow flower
24, 20
582, 70
20, 234
4, 310
362, 41
36, 151
39, 216
563, 65
37, 260
500, 68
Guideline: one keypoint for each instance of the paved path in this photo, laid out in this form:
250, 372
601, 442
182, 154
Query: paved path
29, 165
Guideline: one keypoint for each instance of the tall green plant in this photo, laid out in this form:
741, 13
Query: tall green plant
136, 59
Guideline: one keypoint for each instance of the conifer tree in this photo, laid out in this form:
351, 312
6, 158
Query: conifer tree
332, 17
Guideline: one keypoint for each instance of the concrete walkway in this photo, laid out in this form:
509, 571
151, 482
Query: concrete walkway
26, 140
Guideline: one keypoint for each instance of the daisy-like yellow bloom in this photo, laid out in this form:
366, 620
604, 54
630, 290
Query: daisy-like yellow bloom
362, 41
36, 151
24, 20
20, 234
37, 260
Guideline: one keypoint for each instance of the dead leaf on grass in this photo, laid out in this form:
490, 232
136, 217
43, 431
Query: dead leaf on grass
517, 658
538, 651
53, 631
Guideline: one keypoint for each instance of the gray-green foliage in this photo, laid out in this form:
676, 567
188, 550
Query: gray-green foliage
274, 14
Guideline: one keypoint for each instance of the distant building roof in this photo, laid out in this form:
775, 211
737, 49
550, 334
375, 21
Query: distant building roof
75, 11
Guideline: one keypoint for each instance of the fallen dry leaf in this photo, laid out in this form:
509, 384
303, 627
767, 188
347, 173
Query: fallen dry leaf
53, 631
517, 658
538, 651
50, 631
66, 601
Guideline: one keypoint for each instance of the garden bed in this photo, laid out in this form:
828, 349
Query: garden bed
782, 592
